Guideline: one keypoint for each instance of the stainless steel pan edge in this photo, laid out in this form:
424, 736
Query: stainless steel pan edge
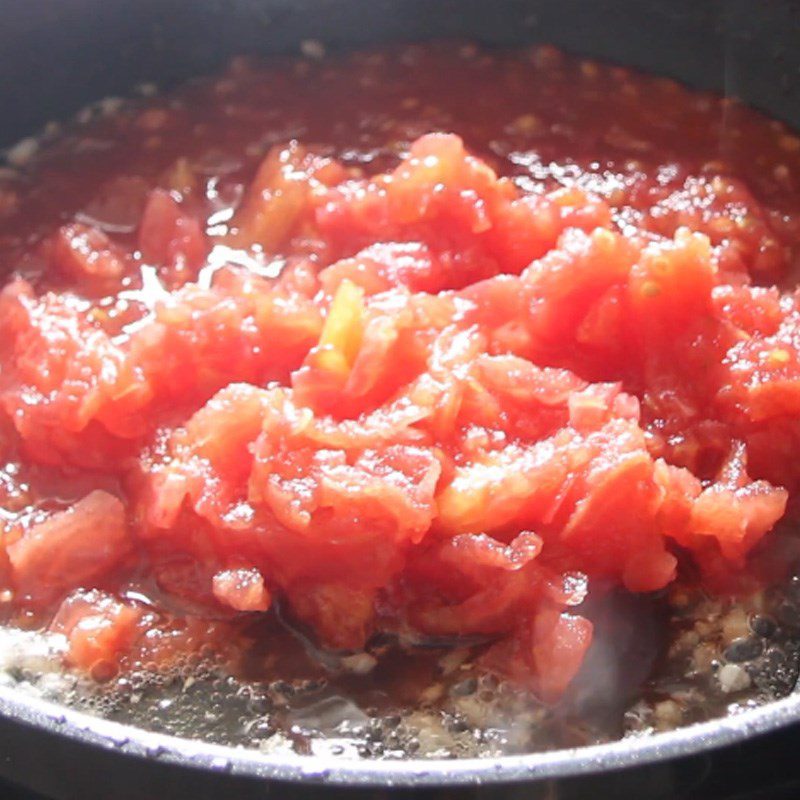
626, 753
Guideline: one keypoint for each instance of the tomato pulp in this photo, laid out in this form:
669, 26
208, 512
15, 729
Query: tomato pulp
423, 341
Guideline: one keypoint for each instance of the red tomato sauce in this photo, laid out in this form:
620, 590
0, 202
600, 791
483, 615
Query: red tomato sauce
424, 341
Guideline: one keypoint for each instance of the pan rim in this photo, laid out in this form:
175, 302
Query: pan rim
127, 740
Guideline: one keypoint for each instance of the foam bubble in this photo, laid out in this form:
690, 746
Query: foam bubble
458, 711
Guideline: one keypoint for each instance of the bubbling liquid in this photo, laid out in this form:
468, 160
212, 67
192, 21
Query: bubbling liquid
657, 662
718, 657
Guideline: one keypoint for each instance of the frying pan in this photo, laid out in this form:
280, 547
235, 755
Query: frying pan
57, 55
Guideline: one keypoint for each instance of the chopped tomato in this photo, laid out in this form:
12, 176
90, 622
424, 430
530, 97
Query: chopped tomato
436, 386
80, 544
100, 631
241, 589
88, 256
171, 239
544, 654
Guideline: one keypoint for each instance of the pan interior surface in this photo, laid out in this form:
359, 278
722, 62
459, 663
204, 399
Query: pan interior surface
585, 762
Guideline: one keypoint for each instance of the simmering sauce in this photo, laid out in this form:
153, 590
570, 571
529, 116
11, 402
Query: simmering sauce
422, 347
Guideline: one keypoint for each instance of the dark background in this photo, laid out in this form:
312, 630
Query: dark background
57, 55
765, 769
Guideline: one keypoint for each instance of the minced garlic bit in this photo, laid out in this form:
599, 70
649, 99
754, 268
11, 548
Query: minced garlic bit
312, 48
733, 678
22, 152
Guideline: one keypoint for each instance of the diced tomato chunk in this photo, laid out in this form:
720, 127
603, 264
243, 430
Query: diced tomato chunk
87, 254
71, 547
170, 238
545, 654
241, 589
100, 631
